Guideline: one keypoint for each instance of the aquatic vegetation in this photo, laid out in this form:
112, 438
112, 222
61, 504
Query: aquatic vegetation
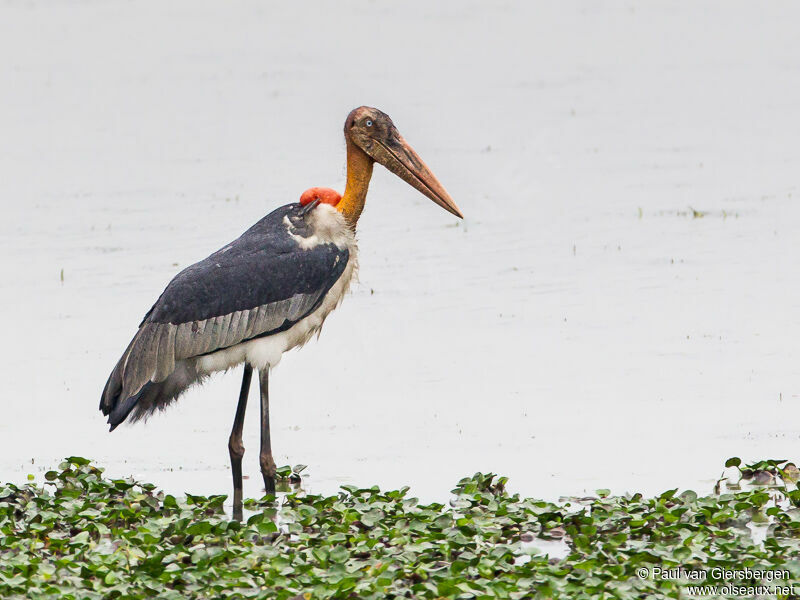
82, 535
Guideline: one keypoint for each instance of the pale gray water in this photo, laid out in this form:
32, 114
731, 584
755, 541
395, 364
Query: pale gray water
578, 330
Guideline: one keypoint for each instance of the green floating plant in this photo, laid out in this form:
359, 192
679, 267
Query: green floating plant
82, 536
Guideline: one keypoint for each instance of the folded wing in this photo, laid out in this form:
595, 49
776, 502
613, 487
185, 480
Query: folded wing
262, 283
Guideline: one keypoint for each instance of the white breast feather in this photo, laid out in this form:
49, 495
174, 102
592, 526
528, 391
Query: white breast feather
329, 226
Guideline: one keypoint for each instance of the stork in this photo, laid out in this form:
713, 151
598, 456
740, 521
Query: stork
265, 293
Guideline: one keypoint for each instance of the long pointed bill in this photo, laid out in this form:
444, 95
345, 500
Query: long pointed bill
401, 159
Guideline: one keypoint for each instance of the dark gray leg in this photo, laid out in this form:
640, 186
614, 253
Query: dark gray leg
268, 468
235, 446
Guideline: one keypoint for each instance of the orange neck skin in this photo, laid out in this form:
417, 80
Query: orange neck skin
359, 172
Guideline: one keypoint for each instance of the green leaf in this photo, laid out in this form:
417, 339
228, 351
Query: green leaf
199, 528
110, 578
265, 527
339, 554
80, 538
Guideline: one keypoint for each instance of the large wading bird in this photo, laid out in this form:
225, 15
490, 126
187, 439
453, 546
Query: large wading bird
265, 293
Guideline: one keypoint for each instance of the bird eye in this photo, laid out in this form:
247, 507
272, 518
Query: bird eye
369, 123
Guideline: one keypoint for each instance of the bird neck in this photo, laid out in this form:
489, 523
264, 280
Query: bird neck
359, 172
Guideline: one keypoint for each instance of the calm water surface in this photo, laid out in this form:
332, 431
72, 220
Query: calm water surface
620, 307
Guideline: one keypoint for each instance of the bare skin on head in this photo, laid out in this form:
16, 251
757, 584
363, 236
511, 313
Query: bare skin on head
322, 195
372, 137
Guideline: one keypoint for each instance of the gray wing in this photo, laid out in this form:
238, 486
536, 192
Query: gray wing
259, 285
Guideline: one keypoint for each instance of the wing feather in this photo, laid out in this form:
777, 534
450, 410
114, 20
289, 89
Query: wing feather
165, 360
232, 332
221, 324
140, 363
183, 341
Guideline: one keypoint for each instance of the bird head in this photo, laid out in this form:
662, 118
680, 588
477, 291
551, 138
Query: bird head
373, 132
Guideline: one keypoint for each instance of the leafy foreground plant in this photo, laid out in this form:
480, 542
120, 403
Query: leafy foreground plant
85, 536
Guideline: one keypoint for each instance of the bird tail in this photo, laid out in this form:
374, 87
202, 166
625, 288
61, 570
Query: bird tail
118, 405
